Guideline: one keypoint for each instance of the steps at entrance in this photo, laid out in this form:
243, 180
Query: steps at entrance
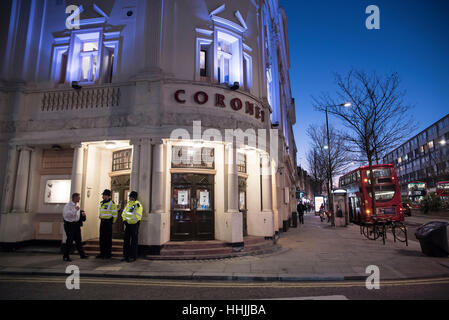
214, 249
92, 247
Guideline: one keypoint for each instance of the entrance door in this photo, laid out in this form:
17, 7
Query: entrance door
120, 191
242, 204
192, 207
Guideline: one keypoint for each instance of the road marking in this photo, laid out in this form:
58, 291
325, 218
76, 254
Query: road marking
336, 297
108, 269
170, 283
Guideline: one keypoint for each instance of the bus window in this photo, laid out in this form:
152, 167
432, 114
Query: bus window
383, 193
385, 172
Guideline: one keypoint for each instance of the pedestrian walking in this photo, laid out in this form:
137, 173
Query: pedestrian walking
300, 209
329, 216
322, 213
131, 215
72, 216
108, 216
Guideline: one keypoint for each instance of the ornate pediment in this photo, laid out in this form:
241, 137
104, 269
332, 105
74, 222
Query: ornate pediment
92, 11
229, 13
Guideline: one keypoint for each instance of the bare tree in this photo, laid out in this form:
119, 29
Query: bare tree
318, 155
378, 120
316, 167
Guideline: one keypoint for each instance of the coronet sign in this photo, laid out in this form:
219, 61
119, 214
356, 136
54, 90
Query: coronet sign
220, 101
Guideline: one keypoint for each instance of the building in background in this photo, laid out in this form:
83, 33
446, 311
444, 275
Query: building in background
307, 187
423, 158
132, 95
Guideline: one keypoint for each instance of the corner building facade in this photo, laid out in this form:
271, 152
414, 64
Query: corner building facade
186, 102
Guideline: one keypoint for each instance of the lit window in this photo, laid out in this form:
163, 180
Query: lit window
203, 63
270, 87
203, 59
86, 58
229, 58
247, 72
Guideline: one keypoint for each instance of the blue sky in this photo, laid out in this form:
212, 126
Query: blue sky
328, 36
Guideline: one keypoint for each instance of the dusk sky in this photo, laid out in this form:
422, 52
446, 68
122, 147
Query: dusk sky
328, 36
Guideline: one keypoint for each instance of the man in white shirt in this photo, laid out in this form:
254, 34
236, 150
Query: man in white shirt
71, 214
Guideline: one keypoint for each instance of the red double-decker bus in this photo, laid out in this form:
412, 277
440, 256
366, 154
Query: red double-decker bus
386, 190
416, 191
443, 189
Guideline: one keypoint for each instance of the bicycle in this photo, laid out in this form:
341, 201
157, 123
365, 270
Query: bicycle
379, 227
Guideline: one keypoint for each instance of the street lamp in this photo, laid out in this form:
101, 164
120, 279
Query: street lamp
329, 168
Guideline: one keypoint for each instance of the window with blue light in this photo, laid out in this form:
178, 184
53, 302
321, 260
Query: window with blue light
84, 57
229, 58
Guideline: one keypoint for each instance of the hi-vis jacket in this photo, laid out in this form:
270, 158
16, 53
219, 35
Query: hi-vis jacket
108, 210
132, 212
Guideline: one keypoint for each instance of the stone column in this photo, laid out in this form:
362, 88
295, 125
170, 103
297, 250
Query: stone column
233, 217
158, 186
77, 168
10, 178
233, 203
155, 226
134, 183
23, 174
144, 173
267, 202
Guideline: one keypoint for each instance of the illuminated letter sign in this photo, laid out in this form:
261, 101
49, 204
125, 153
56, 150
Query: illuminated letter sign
197, 97
177, 96
236, 104
219, 100
201, 97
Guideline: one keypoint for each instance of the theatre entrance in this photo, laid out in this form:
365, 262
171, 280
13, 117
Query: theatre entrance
192, 207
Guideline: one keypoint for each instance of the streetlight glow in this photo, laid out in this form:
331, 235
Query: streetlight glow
347, 104
443, 142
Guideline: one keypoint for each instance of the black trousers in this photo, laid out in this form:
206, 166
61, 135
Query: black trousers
301, 218
73, 232
106, 237
130, 240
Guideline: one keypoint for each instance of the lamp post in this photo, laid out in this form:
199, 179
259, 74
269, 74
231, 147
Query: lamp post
329, 165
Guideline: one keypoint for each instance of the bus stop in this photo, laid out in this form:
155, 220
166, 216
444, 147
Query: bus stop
340, 207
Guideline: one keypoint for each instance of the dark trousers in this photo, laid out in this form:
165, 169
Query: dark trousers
301, 218
106, 237
130, 240
73, 232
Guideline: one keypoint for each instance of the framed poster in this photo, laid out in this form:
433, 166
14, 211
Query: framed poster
183, 197
57, 191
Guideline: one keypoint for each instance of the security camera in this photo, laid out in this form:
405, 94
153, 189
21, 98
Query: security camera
235, 86
75, 85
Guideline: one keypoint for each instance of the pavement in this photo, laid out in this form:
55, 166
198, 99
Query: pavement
314, 251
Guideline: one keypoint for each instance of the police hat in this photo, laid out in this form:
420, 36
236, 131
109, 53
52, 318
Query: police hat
133, 194
107, 192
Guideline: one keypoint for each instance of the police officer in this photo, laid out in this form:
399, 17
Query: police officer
132, 214
108, 216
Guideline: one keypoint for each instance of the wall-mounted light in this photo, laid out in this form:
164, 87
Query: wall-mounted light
110, 145
76, 86
235, 86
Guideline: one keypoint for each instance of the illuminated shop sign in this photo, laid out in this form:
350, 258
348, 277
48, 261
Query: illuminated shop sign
220, 101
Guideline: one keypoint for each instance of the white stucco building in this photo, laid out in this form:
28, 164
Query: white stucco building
141, 95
